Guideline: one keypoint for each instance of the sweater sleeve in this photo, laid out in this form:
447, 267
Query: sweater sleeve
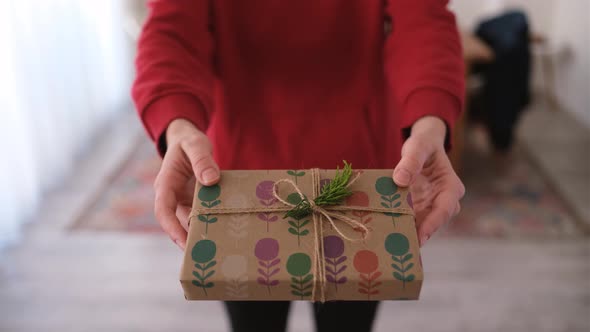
174, 67
423, 62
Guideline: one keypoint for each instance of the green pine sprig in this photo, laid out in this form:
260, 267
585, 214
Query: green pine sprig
332, 193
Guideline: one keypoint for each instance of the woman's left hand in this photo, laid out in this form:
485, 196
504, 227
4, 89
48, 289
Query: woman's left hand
425, 168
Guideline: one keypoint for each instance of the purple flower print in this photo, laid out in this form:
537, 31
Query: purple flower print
333, 250
264, 192
265, 196
267, 252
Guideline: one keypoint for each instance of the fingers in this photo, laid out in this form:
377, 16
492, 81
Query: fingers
165, 210
442, 211
169, 182
189, 153
445, 206
414, 154
198, 151
183, 213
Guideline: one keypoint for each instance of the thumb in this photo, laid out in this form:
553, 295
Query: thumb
414, 155
198, 151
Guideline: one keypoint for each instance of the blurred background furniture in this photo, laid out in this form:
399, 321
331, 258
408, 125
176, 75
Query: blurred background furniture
475, 51
498, 62
506, 81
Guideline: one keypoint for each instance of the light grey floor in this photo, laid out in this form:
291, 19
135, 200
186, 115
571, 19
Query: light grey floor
118, 282
59, 280
560, 146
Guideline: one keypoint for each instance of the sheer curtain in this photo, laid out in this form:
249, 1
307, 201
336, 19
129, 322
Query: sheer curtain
64, 72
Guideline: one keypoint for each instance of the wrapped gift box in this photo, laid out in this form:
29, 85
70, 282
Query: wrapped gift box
240, 246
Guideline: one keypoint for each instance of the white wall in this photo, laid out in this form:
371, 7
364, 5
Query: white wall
567, 25
540, 12
470, 12
571, 27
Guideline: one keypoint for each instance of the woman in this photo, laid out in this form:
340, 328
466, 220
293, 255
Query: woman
298, 84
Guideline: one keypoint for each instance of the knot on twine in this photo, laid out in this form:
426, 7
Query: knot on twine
319, 212
325, 210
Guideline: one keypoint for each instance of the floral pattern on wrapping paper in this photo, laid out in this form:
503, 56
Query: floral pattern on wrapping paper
299, 266
237, 225
234, 270
266, 198
359, 198
209, 197
335, 260
366, 263
398, 246
390, 198
267, 252
297, 225
203, 254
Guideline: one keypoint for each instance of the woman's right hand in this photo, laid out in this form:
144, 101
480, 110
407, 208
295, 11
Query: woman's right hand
188, 156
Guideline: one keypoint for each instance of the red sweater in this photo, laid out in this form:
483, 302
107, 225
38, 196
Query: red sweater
299, 84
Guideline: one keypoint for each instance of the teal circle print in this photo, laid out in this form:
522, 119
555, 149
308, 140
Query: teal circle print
298, 264
209, 193
294, 198
385, 186
203, 251
397, 244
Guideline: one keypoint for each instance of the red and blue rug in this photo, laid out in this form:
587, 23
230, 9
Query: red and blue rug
518, 203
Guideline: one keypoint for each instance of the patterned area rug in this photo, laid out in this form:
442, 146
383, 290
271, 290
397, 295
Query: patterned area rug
516, 204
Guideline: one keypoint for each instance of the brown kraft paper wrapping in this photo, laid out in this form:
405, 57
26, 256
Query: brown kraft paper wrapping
262, 256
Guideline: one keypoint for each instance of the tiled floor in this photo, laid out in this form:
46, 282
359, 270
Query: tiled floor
90, 281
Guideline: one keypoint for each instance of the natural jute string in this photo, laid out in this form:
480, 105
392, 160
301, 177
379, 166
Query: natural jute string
318, 267
319, 214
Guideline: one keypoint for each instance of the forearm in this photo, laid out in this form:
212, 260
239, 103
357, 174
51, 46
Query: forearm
174, 67
423, 64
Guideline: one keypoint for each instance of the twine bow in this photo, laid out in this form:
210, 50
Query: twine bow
319, 211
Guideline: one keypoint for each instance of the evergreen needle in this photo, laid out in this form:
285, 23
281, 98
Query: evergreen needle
332, 193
